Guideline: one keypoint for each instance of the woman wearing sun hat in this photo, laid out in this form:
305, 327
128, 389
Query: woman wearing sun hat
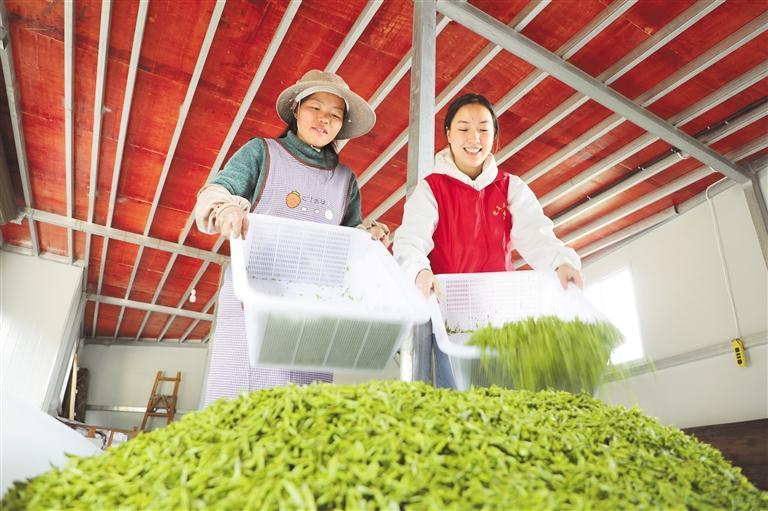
297, 175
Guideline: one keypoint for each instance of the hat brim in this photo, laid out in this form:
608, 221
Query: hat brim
358, 120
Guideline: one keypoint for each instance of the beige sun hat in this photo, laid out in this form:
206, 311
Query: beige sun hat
359, 117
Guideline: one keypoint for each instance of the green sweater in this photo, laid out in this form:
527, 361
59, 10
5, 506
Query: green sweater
244, 174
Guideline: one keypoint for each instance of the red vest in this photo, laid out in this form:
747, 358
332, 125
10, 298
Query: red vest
473, 227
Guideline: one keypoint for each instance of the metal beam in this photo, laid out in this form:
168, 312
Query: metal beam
245, 106
128, 288
128, 237
143, 343
188, 292
723, 94
158, 290
207, 310
130, 83
667, 33
69, 141
661, 192
619, 69
98, 115
210, 33
213, 24
48, 256
161, 309
570, 47
628, 232
250, 94
478, 21
14, 109
648, 172
354, 34
477, 64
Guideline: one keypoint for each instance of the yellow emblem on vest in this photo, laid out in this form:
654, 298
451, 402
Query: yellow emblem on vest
293, 199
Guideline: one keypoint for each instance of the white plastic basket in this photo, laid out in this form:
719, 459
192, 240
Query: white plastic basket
473, 300
321, 297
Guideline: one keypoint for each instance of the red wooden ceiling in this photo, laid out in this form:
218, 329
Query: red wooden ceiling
173, 36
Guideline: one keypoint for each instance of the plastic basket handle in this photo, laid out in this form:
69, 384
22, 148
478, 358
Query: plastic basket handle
238, 263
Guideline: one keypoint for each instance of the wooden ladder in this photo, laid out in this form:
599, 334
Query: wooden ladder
159, 401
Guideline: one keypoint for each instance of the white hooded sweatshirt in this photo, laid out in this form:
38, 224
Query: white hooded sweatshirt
532, 232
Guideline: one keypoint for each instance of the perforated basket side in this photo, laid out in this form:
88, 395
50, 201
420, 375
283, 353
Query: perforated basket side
294, 253
472, 301
328, 343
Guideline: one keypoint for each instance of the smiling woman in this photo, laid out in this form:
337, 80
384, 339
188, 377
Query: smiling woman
297, 175
467, 217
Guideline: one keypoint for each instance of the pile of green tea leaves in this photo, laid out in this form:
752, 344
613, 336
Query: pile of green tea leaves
547, 353
400, 446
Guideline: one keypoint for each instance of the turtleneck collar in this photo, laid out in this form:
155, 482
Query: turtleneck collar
444, 164
325, 158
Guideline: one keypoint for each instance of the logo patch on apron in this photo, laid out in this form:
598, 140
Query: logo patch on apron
293, 199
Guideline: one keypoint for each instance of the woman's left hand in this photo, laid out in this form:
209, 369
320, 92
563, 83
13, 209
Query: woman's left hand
378, 231
567, 273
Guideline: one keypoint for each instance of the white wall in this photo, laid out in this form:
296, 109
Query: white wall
38, 302
124, 375
683, 306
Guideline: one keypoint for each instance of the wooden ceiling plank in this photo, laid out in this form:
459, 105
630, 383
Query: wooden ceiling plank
570, 48
646, 173
69, 80
245, 106
98, 115
518, 23
479, 22
130, 83
716, 98
14, 109
354, 34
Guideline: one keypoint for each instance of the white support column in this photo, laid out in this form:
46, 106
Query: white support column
69, 139
416, 352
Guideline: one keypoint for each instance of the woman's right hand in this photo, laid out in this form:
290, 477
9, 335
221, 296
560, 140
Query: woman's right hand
426, 283
232, 222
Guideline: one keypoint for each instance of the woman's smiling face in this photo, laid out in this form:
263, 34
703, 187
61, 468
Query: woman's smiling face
471, 138
319, 118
